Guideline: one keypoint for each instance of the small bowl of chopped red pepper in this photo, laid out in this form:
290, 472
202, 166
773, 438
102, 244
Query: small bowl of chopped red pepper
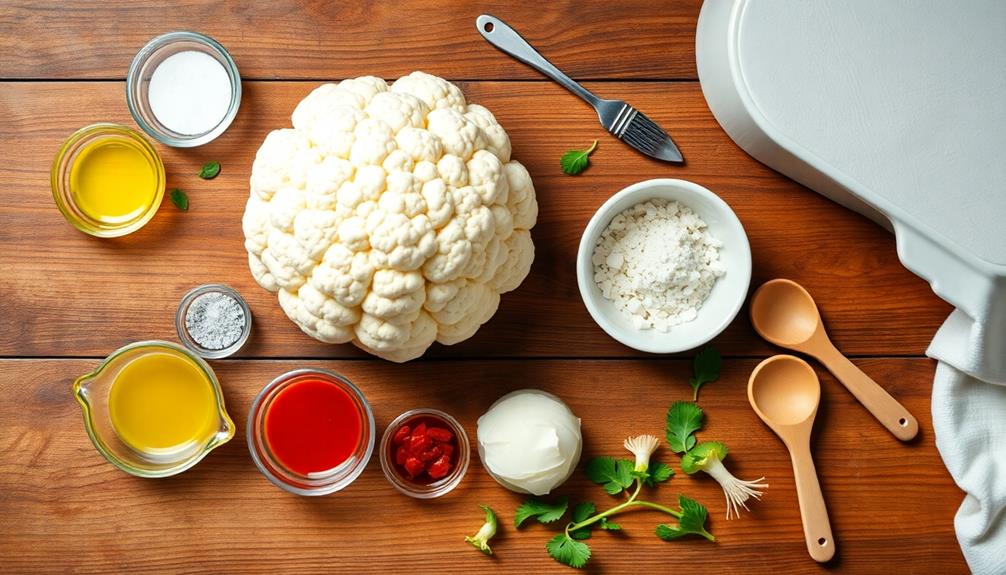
425, 453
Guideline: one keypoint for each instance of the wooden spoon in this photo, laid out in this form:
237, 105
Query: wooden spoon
785, 392
784, 314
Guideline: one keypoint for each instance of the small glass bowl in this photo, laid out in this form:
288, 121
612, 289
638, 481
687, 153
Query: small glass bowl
142, 68
439, 487
92, 392
62, 191
292, 481
192, 344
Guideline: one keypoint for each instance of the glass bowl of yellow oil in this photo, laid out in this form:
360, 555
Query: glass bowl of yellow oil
107, 180
153, 409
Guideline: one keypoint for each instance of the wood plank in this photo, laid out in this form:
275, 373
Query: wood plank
62, 507
62, 291
321, 39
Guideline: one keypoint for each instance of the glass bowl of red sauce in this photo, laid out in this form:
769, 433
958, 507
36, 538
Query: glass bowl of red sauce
311, 432
424, 453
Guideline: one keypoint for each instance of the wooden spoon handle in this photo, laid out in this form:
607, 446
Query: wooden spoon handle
874, 398
816, 526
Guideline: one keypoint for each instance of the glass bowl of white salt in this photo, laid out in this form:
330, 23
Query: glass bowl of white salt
183, 88
213, 321
664, 266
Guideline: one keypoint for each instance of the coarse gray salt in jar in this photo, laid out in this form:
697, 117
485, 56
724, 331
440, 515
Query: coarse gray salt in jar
213, 321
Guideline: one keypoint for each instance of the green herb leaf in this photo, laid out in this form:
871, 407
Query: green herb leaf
545, 512
692, 522
683, 419
614, 475
180, 200
705, 368
701, 455
581, 512
609, 526
657, 473
575, 161
209, 170
568, 551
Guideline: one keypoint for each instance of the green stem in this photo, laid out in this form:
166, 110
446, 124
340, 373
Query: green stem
621, 506
695, 394
630, 502
666, 510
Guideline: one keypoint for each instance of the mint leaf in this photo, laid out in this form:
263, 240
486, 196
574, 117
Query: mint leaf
568, 551
683, 420
180, 200
692, 522
582, 512
544, 511
614, 475
209, 170
657, 473
705, 368
575, 161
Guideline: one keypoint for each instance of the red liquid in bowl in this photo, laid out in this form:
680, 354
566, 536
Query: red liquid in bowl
312, 426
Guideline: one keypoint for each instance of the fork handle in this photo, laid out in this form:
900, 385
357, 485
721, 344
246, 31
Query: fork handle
506, 39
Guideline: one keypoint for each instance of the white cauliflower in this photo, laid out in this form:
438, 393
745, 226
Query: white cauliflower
389, 217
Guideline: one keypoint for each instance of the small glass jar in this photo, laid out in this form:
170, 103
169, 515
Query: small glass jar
181, 325
419, 489
142, 69
312, 483
62, 181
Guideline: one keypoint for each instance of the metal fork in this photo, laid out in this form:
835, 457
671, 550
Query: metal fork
621, 119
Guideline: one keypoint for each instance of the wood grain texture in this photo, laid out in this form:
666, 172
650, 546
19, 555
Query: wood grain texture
66, 293
285, 39
62, 507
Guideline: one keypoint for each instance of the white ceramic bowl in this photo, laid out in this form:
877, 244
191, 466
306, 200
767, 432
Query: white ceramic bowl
727, 295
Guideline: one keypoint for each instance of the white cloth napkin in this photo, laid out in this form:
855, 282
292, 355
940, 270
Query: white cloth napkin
969, 420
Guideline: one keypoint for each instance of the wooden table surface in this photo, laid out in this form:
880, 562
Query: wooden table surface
67, 300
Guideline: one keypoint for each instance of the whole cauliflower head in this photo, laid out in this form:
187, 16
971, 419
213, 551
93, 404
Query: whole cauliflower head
389, 216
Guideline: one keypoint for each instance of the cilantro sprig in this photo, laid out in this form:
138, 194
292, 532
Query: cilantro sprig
617, 477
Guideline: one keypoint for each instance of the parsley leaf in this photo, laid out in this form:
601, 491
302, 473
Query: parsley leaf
609, 526
209, 170
180, 200
692, 522
705, 368
615, 475
581, 512
657, 473
575, 161
568, 551
544, 511
683, 419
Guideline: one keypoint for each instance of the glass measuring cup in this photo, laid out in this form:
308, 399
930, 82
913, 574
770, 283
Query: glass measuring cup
92, 391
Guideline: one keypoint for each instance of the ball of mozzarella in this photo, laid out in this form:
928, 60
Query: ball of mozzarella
529, 441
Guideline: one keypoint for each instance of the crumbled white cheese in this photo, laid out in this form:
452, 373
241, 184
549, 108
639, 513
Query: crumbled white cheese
657, 262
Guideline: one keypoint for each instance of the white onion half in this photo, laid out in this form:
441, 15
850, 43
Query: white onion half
529, 441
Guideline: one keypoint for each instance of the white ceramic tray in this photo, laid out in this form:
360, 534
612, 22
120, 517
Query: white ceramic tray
896, 109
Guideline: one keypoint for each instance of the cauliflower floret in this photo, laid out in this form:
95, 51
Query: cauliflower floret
389, 217
435, 92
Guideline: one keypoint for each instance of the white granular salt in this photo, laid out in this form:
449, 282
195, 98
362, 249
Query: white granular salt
215, 320
657, 262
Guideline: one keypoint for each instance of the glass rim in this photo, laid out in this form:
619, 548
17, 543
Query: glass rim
166, 136
256, 441
65, 160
